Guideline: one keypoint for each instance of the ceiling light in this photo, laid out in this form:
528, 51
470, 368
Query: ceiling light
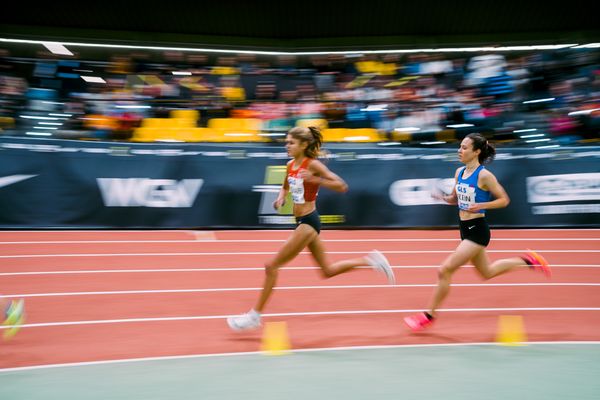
93, 79
57, 48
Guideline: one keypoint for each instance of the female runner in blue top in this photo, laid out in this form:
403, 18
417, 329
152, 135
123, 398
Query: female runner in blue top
304, 176
476, 191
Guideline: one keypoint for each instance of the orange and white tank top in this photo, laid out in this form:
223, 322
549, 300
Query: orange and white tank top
301, 191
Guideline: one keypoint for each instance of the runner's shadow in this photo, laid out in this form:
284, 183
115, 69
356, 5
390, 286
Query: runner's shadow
431, 335
245, 338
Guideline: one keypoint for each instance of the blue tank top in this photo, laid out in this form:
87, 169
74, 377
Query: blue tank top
468, 192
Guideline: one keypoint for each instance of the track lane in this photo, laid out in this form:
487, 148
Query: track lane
50, 345
239, 277
250, 246
257, 260
91, 307
55, 345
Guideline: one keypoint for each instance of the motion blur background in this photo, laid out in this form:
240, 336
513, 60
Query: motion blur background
383, 80
163, 116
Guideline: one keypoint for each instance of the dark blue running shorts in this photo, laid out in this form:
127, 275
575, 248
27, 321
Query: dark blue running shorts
311, 219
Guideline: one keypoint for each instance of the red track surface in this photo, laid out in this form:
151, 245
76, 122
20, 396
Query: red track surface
99, 326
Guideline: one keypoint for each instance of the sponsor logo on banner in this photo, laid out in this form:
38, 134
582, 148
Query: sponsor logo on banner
566, 209
417, 192
11, 179
146, 192
274, 177
564, 187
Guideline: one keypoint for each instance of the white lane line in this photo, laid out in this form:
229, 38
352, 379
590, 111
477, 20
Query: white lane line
295, 314
127, 271
67, 231
251, 253
250, 289
235, 269
202, 240
253, 353
193, 231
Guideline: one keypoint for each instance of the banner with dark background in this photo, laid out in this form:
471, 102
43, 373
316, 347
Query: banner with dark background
70, 184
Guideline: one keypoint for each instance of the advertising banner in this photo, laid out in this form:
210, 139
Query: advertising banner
71, 184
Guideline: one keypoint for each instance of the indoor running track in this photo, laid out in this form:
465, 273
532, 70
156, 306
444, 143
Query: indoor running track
98, 296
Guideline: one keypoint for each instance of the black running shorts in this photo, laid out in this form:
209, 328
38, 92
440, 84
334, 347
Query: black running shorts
476, 230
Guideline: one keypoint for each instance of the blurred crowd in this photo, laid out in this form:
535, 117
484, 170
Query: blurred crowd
523, 98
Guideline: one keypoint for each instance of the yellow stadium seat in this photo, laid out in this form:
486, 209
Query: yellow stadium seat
367, 66
388, 69
144, 134
359, 135
447, 135
185, 114
221, 136
218, 135
362, 135
155, 122
168, 134
175, 134
7, 122
167, 123
151, 79
236, 124
316, 122
191, 134
236, 129
334, 135
97, 121
375, 67
182, 123
233, 93
223, 70
185, 130
201, 134
401, 136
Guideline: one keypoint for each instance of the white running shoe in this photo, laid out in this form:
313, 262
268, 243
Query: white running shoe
250, 320
381, 264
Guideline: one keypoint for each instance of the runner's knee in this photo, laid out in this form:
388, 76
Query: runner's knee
486, 274
444, 274
326, 272
271, 269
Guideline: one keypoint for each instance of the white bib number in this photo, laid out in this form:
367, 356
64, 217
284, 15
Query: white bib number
296, 189
465, 195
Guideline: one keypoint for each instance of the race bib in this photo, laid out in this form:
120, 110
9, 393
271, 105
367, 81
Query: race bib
465, 195
296, 189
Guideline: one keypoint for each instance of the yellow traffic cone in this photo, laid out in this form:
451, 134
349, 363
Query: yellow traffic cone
275, 340
511, 331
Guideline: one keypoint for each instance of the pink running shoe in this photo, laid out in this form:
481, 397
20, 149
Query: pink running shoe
537, 263
418, 322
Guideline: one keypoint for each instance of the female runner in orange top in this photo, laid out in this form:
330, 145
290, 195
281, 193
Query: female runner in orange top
305, 174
